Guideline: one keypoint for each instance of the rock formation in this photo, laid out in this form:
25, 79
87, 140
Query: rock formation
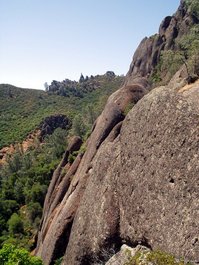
125, 255
137, 181
148, 52
46, 127
49, 124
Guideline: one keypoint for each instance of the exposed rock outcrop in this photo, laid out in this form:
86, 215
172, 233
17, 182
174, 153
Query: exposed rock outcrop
141, 255
54, 228
148, 53
143, 183
60, 181
150, 178
49, 124
137, 181
46, 127
125, 255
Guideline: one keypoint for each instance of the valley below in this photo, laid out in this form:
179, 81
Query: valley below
106, 170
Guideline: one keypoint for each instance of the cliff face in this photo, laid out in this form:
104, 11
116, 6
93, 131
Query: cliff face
143, 183
137, 180
149, 51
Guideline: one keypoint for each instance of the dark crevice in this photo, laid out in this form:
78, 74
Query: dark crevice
172, 181
111, 246
195, 241
142, 242
62, 243
109, 128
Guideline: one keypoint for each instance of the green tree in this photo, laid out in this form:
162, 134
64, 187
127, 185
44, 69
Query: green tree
7, 207
34, 211
36, 194
187, 53
56, 143
11, 255
193, 7
14, 162
91, 114
78, 127
171, 61
15, 224
189, 49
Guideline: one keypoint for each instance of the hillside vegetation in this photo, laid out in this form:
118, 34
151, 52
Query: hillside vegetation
25, 176
133, 168
22, 110
136, 167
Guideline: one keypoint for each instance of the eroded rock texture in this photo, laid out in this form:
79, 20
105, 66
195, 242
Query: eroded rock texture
49, 124
126, 253
161, 177
144, 184
138, 180
141, 186
149, 51
62, 201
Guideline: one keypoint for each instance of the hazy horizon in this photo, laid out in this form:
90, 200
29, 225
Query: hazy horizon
50, 40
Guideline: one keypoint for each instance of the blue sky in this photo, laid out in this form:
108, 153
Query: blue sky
42, 40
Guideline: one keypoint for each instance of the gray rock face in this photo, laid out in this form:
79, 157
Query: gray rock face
143, 184
125, 254
49, 124
148, 52
62, 201
138, 180
161, 177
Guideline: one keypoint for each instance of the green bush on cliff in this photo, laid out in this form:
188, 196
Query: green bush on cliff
11, 255
193, 7
186, 53
15, 224
154, 258
23, 185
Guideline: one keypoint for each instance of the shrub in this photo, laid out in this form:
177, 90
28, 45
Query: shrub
128, 107
15, 224
193, 7
78, 127
34, 211
11, 255
154, 258
37, 193
59, 261
71, 158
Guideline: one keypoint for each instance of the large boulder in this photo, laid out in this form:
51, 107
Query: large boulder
62, 201
126, 254
143, 186
148, 53
137, 181
158, 184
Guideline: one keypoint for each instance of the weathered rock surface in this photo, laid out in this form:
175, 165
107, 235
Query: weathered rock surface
143, 184
56, 226
125, 254
160, 179
60, 181
49, 124
148, 52
138, 180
